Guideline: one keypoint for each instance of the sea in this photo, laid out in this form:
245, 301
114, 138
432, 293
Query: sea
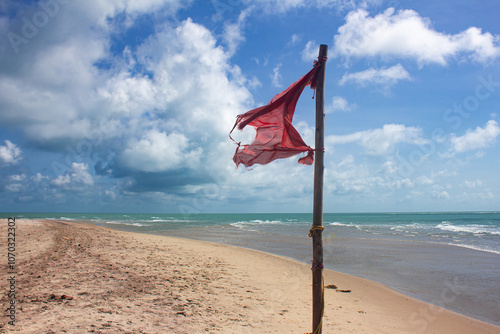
448, 259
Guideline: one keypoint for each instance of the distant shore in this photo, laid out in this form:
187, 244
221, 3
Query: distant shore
82, 278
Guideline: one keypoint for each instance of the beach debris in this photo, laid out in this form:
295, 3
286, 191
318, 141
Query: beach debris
344, 291
61, 297
331, 286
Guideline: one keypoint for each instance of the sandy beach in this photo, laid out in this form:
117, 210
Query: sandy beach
82, 278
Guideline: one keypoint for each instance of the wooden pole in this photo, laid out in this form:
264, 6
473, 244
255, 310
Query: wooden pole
317, 235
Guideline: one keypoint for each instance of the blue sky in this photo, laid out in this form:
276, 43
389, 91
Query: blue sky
126, 106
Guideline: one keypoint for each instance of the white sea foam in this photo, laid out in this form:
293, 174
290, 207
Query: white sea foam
127, 223
482, 249
257, 222
253, 224
173, 220
267, 222
473, 229
340, 224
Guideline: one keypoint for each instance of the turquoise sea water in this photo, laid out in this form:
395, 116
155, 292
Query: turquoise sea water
425, 255
474, 230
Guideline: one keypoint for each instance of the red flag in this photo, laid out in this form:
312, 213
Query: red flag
276, 137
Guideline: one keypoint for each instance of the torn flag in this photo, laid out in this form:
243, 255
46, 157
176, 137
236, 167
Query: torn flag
276, 137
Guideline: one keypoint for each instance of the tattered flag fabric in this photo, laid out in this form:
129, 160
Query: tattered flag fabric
276, 138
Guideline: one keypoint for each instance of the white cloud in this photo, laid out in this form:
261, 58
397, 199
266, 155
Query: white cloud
310, 51
178, 82
424, 180
152, 5
339, 104
14, 187
158, 152
294, 40
276, 6
18, 177
381, 141
152, 79
110, 194
477, 138
405, 34
233, 33
439, 192
10, 154
276, 76
282, 6
473, 184
38, 177
386, 76
403, 183
348, 177
76, 178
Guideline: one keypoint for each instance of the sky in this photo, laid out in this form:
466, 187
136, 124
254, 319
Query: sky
126, 105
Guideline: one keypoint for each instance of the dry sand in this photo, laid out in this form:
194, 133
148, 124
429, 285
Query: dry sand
119, 282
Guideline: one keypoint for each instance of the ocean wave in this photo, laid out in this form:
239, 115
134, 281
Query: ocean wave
409, 225
172, 220
259, 222
127, 223
473, 229
341, 224
253, 224
477, 248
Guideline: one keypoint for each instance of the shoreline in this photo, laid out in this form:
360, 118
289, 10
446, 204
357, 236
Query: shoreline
124, 282
403, 265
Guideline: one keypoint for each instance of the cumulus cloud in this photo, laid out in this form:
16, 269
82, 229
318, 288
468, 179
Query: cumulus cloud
339, 104
163, 103
310, 51
76, 178
159, 152
349, 177
16, 184
381, 141
10, 154
38, 177
477, 138
18, 177
439, 192
473, 184
385, 76
405, 34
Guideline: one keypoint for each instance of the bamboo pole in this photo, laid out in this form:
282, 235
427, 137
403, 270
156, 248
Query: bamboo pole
317, 235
